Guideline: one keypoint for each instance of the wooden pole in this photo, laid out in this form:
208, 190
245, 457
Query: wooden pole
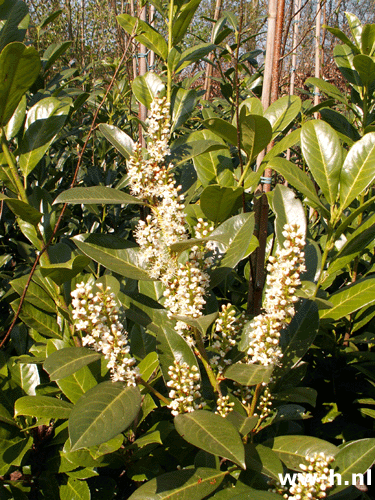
317, 54
209, 69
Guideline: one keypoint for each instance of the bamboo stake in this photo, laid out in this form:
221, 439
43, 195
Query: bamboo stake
317, 54
142, 61
209, 69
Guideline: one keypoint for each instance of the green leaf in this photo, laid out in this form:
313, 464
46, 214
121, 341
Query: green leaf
35, 294
96, 194
253, 104
249, 374
193, 54
43, 122
223, 129
297, 395
343, 55
182, 21
24, 375
282, 112
263, 460
182, 106
53, 52
14, 124
256, 133
252, 494
119, 139
147, 87
355, 245
341, 35
144, 34
211, 433
23, 210
185, 484
283, 144
322, 151
64, 362
358, 170
12, 13
350, 299
219, 202
355, 458
171, 346
299, 336
43, 323
368, 39
300, 180
365, 67
292, 450
19, 67
355, 26
76, 385
74, 489
42, 406
288, 210
61, 273
236, 243
340, 124
115, 254
102, 413
329, 89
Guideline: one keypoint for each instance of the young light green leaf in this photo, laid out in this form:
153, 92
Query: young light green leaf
182, 22
256, 133
19, 67
96, 195
365, 67
192, 54
185, 484
119, 139
74, 489
102, 413
211, 433
223, 129
322, 151
283, 144
42, 406
64, 362
358, 170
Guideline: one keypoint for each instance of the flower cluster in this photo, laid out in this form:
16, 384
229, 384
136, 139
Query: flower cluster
313, 483
185, 387
223, 406
283, 278
153, 181
265, 404
227, 328
97, 316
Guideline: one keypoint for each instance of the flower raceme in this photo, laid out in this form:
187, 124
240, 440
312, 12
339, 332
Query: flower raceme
282, 281
97, 317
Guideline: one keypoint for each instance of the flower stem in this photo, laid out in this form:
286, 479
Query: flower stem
154, 391
206, 363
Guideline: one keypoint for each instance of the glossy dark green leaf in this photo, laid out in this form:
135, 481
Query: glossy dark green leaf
144, 34
300, 180
182, 22
223, 129
42, 322
355, 457
171, 346
74, 489
292, 450
350, 299
14, 124
249, 374
113, 253
61, 273
343, 55
53, 52
193, 54
43, 122
263, 460
322, 151
36, 295
288, 210
236, 243
358, 169
202, 323
23, 210
244, 425
340, 123
188, 484
252, 494
299, 336
42, 406
147, 87
219, 202
66, 361
102, 413
328, 88
297, 395
182, 106
211, 433
282, 112
119, 139
19, 67
12, 13
96, 195
256, 133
